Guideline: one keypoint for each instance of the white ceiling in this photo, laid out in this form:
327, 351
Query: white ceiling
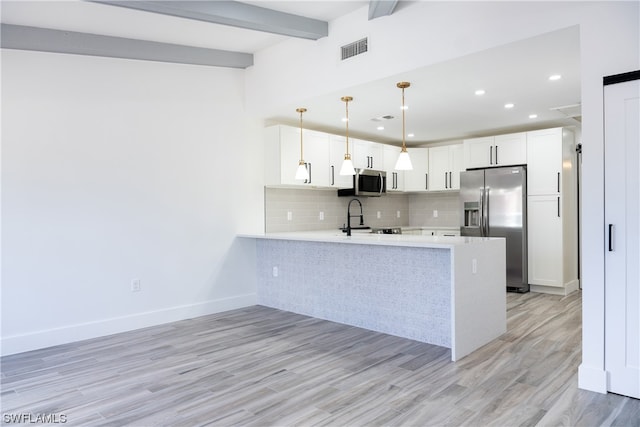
441, 100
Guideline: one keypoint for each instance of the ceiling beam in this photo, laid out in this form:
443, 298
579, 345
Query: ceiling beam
234, 14
378, 8
47, 40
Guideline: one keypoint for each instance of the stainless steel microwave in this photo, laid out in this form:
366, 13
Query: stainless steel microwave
366, 182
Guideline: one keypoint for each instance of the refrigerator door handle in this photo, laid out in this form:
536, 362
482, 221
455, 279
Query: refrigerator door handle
482, 215
487, 230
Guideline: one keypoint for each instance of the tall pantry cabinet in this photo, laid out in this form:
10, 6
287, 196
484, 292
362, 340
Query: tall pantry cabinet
552, 211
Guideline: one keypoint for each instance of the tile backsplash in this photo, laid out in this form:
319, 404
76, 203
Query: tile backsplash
423, 208
289, 209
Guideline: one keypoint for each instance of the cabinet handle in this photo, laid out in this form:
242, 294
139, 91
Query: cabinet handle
333, 179
610, 237
558, 182
558, 206
496, 154
309, 172
445, 180
450, 184
426, 181
491, 155
395, 183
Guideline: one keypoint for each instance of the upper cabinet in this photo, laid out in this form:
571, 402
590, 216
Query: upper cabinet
418, 178
395, 178
501, 150
544, 154
445, 164
282, 155
367, 155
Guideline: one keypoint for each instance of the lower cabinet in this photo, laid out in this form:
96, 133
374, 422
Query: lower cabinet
545, 241
552, 250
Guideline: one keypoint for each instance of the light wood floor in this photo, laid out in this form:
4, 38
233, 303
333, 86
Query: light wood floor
264, 367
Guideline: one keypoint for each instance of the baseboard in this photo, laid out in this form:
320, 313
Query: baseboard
568, 288
592, 379
50, 337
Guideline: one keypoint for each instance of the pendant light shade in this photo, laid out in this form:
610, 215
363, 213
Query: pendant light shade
404, 162
302, 173
347, 164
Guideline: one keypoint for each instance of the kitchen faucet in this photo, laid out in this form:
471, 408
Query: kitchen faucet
349, 215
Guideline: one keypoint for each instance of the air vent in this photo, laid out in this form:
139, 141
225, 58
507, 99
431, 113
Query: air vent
355, 48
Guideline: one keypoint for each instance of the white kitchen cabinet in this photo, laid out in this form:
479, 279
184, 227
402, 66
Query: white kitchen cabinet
491, 151
552, 211
545, 251
417, 179
510, 149
445, 164
282, 154
337, 150
544, 155
367, 154
395, 178
478, 152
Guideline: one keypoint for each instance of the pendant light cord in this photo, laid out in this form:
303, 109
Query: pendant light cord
301, 110
404, 147
346, 105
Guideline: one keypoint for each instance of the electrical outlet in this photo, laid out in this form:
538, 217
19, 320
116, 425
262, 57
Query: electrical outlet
135, 285
289, 216
435, 213
321, 216
275, 271
474, 266
397, 214
379, 214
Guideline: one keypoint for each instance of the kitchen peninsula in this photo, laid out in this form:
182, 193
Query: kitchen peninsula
447, 291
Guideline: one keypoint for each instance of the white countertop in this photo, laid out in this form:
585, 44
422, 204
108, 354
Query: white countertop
362, 237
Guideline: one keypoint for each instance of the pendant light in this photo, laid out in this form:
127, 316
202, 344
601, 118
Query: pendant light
404, 162
347, 164
302, 173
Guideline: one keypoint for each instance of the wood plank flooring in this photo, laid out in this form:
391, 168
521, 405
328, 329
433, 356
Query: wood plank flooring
264, 367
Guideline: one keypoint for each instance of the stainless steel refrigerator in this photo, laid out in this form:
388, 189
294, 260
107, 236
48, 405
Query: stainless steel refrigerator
494, 204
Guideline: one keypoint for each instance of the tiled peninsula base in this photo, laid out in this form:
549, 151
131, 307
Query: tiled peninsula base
429, 294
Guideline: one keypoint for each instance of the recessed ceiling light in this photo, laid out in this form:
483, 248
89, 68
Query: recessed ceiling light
480, 92
344, 119
509, 105
380, 128
410, 135
404, 107
555, 77
533, 116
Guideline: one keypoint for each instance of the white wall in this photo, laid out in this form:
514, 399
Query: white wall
424, 33
114, 170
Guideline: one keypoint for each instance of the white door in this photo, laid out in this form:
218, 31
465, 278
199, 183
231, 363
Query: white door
622, 228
